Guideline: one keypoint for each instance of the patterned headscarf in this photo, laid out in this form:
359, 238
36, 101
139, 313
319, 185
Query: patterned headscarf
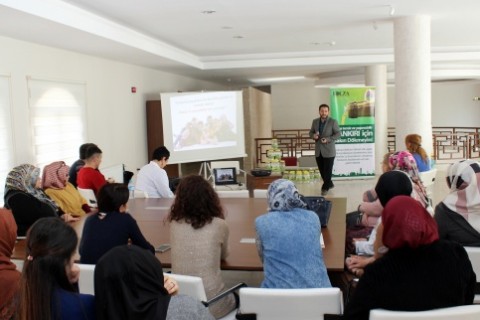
407, 224
463, 178
55, 175
23, 178
283, 196
404, 161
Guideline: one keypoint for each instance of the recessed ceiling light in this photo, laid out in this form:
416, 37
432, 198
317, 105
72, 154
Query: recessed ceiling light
237, 37
315, 43
208, 11
227, 27
277, 79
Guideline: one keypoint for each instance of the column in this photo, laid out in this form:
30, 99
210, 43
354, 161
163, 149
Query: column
376, 76
413, 110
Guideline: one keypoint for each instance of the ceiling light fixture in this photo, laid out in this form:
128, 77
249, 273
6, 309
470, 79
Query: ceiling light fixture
392, 11
208, 11
277, 79
476, 98
237, 37
331, 43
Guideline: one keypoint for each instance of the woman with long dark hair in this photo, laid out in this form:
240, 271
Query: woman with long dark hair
49, 276
199, 238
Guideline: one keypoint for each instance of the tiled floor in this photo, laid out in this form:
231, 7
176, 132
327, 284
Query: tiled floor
353, 191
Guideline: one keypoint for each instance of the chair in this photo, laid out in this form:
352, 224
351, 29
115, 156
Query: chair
193, 286
260, 193
228, 164
428, 179
138, 194
471, 312
18, 263
290, 161
474, 256
90, 196
287, 304
86, 281
233, 193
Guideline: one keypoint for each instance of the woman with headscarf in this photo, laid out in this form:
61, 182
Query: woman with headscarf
26, 199
9, 275
389, 185
199, 238
413, 142
458, 215
288, 241
404, 161
418, 272
66, 196
129, 284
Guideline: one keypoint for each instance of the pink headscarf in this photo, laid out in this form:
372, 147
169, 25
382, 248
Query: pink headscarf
463, 178
55, 175
407, 224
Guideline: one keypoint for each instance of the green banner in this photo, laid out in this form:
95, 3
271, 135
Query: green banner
354, 109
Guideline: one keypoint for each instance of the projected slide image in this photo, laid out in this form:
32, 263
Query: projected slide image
206, 122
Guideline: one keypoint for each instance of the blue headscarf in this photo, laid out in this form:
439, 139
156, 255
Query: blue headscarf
283, 196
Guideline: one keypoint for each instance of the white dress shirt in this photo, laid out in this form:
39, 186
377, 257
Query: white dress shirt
153, 180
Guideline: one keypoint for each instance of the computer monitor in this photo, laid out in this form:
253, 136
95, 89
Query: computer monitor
225, 176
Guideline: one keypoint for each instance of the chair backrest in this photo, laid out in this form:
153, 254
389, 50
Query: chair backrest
189, 285
138, 194
307, 162
428, 179
18, 263
299, 304
233, 193
86, 281
260, 193
90, 196
471, 312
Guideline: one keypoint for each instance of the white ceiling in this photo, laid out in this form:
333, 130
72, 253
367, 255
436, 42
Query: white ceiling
244, 39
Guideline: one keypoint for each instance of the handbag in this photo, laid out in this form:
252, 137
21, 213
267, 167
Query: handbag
321, 206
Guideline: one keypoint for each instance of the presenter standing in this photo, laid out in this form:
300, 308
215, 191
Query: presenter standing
325, 131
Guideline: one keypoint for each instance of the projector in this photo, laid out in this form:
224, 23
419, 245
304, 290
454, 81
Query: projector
261, 172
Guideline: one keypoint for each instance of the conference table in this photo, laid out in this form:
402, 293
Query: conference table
240, 214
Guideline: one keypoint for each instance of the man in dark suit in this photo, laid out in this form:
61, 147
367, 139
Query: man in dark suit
325, 131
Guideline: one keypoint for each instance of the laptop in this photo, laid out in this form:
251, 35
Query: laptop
225, 176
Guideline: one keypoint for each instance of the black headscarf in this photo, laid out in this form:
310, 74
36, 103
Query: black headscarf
391, 184
129, 285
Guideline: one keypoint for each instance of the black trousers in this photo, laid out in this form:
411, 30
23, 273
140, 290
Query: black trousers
325, 166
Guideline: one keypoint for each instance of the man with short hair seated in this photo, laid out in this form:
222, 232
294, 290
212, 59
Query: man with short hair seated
152, 178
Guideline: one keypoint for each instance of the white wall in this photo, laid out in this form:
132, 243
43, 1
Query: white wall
115, 116
294, 105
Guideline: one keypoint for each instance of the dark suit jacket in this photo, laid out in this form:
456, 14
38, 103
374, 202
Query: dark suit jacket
331, 132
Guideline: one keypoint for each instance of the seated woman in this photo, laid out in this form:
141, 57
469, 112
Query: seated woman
418, 272
389, 185
360, 223
413, 142
112, 226
458, 215
26, 199
49, 275
66, 196
9, 275
288, 241
199, 238
129, 284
